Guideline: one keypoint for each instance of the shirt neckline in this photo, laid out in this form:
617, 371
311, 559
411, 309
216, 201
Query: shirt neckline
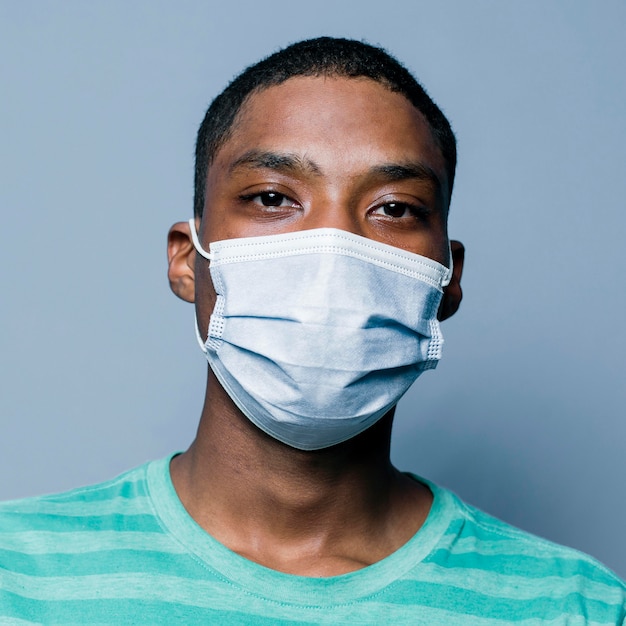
258, 580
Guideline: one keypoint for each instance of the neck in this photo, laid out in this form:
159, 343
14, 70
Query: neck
313, 512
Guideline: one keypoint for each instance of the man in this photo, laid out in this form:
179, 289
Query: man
320, 266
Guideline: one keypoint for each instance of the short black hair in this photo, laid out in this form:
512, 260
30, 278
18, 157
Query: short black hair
324, 56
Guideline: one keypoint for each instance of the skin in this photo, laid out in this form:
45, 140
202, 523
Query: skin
312, 152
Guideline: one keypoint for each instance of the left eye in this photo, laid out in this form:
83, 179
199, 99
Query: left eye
395, 209
272, 199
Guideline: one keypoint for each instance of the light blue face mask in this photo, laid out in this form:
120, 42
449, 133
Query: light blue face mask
316, 334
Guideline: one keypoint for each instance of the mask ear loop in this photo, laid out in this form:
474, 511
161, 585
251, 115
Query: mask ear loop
207, 255
201, 341
196, 242
448, 276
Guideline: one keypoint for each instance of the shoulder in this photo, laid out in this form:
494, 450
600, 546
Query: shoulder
35, 525
532, 553
503, 560
65, 557
128, 485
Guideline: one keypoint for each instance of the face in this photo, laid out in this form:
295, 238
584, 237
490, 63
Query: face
319, 152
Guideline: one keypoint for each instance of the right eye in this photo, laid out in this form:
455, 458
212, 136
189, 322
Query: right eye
271, 199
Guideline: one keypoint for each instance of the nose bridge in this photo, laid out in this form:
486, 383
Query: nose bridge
333, 213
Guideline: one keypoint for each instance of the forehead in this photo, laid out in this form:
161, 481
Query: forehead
341, 123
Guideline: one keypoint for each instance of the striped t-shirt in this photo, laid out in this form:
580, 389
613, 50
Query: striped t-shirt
127, 552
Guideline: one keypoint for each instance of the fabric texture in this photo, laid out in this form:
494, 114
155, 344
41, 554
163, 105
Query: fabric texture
127, 552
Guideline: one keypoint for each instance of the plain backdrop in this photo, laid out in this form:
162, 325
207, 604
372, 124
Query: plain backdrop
99, 106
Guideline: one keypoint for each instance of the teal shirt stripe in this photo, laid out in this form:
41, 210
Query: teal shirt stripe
523, 567
99, 563
59, 523
116, 505
79, 541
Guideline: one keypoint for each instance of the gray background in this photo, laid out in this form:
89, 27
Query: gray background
99, 107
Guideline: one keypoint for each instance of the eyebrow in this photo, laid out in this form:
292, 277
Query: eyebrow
405, 171
282, 162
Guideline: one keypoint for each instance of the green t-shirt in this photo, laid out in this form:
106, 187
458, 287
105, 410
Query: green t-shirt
127, 552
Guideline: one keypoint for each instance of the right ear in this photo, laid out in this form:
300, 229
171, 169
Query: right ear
181, 257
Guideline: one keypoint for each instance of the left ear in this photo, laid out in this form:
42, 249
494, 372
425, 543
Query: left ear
181, 257
452, 294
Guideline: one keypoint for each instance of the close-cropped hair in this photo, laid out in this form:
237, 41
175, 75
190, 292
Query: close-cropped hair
324, 56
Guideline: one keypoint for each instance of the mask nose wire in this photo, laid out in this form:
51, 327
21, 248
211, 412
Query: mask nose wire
196, 242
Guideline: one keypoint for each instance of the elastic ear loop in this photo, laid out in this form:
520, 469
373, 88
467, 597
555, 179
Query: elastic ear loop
201, 342
196, 242
446, 281
207, 255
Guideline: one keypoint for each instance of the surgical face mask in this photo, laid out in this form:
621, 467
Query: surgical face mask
316, 334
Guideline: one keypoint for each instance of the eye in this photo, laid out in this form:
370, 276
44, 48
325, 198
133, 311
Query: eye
271, 199
396, 209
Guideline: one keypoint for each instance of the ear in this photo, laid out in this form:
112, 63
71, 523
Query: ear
181, 256
452, 294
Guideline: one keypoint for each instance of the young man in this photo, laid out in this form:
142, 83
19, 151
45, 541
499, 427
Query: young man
320, 266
